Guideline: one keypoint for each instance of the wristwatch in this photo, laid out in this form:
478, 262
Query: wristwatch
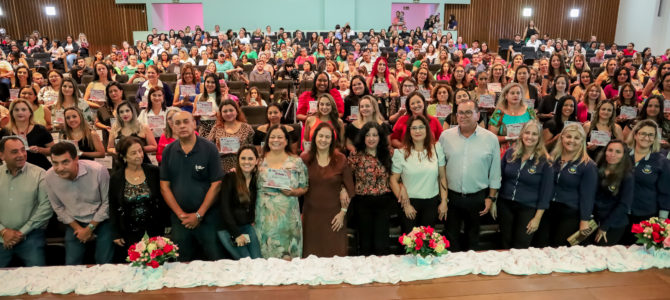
91, 226
493, 199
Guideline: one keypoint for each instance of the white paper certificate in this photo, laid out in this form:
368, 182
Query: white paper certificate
204, 109
380, 88
600, 138
106, 161
403, 99
354, 113
443, 110
278, 178
494, 87
666, 106
514, 130
97, 95
13, 94
156, 122
425, 93
188, 89
566, 123
229, 145
530, 103
487, 101
59, 116
312, 107
628, 112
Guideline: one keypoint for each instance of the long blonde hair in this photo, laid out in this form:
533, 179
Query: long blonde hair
83, 126
539, 152
376, 115
581, 154
502, 101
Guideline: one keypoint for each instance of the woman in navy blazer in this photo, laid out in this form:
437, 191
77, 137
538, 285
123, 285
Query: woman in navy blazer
575, 182
651, 173
615, 193
527, 186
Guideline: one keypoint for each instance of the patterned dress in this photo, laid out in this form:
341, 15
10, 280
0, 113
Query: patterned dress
245, 134
278, 223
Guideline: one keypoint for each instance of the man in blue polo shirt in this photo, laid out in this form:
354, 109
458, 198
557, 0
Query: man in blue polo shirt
190, 182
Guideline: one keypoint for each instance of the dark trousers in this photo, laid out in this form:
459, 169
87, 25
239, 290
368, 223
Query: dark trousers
514, 218
558, 223
372, 215
613, 235
191, 241
464, 213
426, 213
629, 237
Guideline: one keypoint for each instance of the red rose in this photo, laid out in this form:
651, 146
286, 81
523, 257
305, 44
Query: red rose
133, 256
154, 264
645, 223
657, 237
667, 221
156, 253
432, 244
168, 248
132, 248
656, 227
152, 239
400, 238
419, 244
429, 230
637, 228
420, 235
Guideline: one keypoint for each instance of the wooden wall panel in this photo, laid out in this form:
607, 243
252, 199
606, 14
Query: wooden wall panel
489, 20
103, 21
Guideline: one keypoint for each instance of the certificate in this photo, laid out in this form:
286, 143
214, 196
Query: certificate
306, 145
156, 122
106, 161
203, 109
494, 87
13, 94
487, 101
187, 90
144, 103
55, 136
279, 179
59, 117
354, 113
600, 138
380, 88
566, 123
50, 99
666, 106
229, 145
425, 93
312, 107
403, 100
514, 130
443, 110
154, 160
628, 112
99, 133
112, 121
530, 103
97, 95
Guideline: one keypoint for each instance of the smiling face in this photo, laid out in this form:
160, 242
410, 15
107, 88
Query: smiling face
324, 106
416, 105
644, 138
323, 138
418, 131
247, 160
614, 153
530, 136
125, 113
568, 108
571, 141
157, 98
277, 140
228, 113
72, 119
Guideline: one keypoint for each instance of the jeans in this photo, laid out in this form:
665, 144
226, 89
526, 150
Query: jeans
30, 250
70, 60
251, 250
104, 249
190, 241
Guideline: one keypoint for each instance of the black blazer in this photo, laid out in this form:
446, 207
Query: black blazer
160, 212
234, 213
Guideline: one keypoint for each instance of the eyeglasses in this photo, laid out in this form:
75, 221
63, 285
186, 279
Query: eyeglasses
416, 128
647, 135
466, 113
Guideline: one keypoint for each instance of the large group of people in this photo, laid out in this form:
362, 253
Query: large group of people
372, 125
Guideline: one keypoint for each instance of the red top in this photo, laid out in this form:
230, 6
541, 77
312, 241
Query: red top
401, 125
305, 97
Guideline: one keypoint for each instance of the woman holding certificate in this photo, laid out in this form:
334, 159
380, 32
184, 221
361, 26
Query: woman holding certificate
142, 96
187, 89
615, 193
230, 133
421, 165
575, 184
527, 185
80, 133
282, 178
68, 96
326, 202
443, 107
416, 106
652, 175
95, 91
383, 85
509, 116
326, 112
652, 109
153, 115
602, 129
128, 125
238, 206
207, 104
566, 113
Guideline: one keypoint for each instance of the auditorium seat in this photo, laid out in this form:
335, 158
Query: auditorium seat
122, 78
86, 79
237, 87
255, 114
168, 77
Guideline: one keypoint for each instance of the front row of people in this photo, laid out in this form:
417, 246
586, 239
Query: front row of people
540, 198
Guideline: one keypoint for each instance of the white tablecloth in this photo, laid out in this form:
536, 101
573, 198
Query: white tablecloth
319, 271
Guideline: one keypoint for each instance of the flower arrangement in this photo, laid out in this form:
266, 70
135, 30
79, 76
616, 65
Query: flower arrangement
654, 232
424, 241
152, 252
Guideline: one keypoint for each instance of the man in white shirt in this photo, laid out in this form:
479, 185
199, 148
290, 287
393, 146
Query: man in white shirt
533, 42
473, 175
365, 60
474, 49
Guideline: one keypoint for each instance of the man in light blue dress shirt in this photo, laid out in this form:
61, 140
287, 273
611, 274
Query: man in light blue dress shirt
473, 175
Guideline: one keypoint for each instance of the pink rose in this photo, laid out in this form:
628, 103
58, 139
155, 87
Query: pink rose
666, 243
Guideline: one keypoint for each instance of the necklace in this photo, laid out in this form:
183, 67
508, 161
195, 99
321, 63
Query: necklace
23, 132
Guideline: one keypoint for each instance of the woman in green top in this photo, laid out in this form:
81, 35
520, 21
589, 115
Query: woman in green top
320, 51
249, 52
510, 115
145, 59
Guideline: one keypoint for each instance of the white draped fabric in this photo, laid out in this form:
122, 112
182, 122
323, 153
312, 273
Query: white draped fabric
320, 271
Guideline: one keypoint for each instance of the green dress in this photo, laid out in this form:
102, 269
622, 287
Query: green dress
278, 223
